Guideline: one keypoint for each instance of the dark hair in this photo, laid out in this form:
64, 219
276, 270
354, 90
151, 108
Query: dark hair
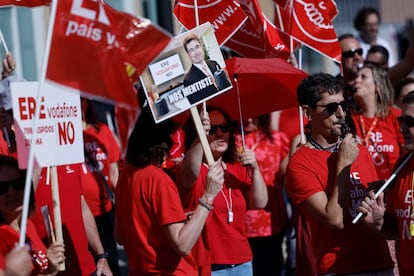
362, 14
400, 85
310, 89
263, 124
190, 38
149, 143
11, 162
382, 50
409, 98
345, 36
191, 134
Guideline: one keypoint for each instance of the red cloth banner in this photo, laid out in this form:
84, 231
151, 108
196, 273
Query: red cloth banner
101, 51
25, 3
225, 16
258, 37
310, 22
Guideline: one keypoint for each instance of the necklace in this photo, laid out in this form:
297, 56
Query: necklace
229, 200
333, 148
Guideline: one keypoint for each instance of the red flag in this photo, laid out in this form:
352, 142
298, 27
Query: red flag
258, 37
25, 3
100, 50
225, 16
310, 22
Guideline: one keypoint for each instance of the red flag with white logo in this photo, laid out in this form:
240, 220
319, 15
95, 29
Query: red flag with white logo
310, 22
258, 37
25, 3
225, 16
101, 51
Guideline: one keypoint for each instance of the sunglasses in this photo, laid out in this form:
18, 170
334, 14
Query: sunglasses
407, 121
17, 184
351, 53
331, 108
224, 128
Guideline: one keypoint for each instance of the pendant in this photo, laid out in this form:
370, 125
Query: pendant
230, 217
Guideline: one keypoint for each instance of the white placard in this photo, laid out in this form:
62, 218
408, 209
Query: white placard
166, 69
58, 134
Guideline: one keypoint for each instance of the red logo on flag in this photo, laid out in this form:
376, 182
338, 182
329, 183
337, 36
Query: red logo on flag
225, 16
100, 50
25, 3
258, 37
310, 22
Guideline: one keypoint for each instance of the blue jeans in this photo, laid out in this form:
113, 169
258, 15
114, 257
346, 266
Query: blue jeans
244, 269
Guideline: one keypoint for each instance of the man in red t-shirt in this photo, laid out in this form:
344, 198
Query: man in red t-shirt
398, 220
327, 178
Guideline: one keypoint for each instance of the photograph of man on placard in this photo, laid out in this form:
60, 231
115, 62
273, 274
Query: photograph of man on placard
203, 71
189, 71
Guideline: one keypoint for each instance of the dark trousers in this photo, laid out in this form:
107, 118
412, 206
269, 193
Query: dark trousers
105, 224
267, 255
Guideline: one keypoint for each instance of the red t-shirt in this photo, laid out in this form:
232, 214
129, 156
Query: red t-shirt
227, 241
383, 139
269, 154
4, 149
356, 248
79, 260
289, 122
101, 145
9, 237
399, 204
148, 200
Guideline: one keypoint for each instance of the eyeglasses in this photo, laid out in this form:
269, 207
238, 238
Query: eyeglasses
351, 53
224, 128
331, 108
17, 184
407, 121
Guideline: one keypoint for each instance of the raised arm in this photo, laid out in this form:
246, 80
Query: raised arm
330, 210
183, 236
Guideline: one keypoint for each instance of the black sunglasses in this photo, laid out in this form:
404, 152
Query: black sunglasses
17, 184
224, 128
351, 53
408, 121
331, 108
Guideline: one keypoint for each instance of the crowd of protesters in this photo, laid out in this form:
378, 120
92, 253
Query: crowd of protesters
176, 212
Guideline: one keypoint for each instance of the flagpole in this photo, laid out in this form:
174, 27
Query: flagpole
3, 41
388, 182
30, 161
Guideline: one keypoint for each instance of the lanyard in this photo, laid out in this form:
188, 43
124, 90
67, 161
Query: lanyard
366, 134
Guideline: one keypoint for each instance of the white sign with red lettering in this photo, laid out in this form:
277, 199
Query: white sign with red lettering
58, 135
166, 69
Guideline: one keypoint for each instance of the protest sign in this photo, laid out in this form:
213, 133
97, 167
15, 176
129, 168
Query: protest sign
58, 135
189, 71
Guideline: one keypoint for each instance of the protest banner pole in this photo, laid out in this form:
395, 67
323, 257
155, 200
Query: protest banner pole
202, 135
56, 211
4, 42
30, 161
388, 182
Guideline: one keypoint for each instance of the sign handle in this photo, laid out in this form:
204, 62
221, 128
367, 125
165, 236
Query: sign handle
202, 135
56, 211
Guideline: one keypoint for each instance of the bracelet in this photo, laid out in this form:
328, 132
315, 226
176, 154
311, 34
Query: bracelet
104, 255
203, 203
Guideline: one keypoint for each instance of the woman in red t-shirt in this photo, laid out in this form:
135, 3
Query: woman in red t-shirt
12, 183
266, 227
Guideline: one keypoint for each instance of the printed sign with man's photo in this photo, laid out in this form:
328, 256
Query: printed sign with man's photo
189, 71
